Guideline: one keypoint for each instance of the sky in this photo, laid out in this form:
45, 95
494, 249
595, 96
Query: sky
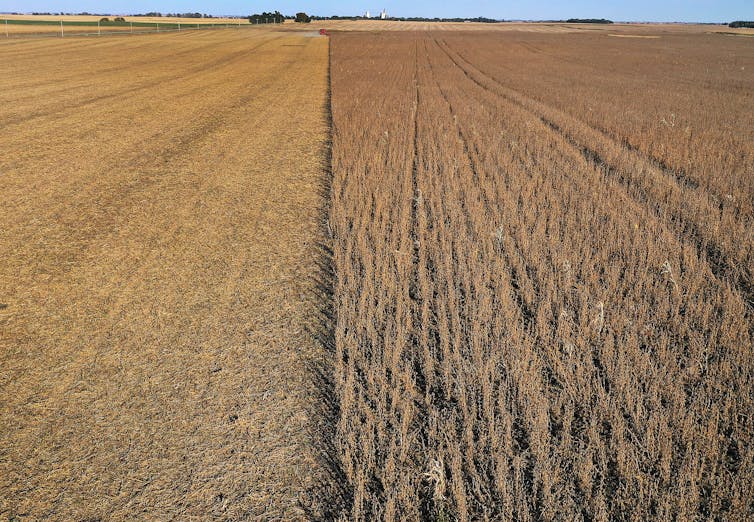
621, 10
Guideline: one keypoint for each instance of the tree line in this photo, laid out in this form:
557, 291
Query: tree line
278, 18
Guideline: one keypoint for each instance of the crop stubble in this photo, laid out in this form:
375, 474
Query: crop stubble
36, 26
543, 257
159, 211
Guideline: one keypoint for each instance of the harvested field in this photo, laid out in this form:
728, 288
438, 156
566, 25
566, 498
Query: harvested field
160, 199
13, 26
542, 246
94, 18
395, 25
373, 25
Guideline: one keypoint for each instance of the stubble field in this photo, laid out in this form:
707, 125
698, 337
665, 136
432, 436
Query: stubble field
159, 200
16, 26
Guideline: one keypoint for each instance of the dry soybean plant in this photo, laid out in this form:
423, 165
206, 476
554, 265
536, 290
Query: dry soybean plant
532, 318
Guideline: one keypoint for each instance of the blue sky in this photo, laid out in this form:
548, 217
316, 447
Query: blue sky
623, 10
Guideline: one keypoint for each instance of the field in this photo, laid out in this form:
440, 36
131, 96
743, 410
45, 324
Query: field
160, 205
14, 26
543, 256
94, 18
30, 25
654, 30
413, 271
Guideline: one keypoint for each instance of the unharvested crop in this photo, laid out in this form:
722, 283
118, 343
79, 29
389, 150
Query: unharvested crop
543, 279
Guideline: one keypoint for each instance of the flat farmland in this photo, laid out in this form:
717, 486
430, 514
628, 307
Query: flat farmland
94, 18
543, 253
12, 26
623, 29
417, 271
159, 200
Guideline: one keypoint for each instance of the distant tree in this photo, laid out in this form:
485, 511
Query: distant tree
119, 19
589, 21
480, 19
303, 18
267, 18
741, 23
104, 20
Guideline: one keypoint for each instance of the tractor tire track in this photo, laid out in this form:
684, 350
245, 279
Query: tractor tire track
708, 249
509, 245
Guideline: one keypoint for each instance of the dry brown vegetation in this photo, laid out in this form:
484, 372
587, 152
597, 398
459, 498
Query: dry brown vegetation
518, 27
542, 248
38, 25
533, 300
396, 25
94, 18
159, 204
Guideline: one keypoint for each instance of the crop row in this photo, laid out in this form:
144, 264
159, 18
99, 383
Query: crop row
523, 329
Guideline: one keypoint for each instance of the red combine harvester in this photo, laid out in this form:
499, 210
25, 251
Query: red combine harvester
323, 32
